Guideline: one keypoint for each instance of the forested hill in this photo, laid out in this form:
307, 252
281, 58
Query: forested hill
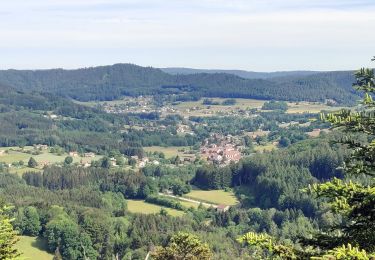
241, 73
112, 82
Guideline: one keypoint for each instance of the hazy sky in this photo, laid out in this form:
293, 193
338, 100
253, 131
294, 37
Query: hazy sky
259, 35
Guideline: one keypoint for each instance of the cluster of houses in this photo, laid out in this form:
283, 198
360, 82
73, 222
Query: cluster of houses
76, 154
141, 104
86, 163
223, 151
41, 147
141, 162
184, 129
221, 154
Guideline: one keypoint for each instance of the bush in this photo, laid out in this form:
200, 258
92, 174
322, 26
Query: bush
170, 203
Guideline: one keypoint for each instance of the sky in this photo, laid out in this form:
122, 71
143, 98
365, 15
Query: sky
255, 35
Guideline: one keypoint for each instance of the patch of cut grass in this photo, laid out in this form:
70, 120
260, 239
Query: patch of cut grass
265, 148
44, 157
140, 206
13, 156
213, 196
189, 204
21, 170
33, 248
241, 103
169, 152
309, 107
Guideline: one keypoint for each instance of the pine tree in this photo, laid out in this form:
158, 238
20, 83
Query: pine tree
32, 163
68, 160
8, 237
351, 199
183, 246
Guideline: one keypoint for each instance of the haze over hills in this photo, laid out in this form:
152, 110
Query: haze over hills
115, 81
241, 73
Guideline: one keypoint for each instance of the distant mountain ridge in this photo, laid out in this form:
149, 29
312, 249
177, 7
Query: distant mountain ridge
115, 81
240, 73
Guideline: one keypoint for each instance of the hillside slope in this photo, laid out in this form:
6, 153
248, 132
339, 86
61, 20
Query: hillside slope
240, 73
112, 82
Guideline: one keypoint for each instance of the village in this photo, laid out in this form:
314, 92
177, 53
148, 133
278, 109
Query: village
221, 150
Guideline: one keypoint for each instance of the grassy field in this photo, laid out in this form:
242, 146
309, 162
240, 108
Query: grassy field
213, 196
170, 152
140, 206
45, 156
13, 156
123, 101
241, 103
49, 157
33, 248
265, 148
54, 158
308, 107
188, 204
196, 108
21, 170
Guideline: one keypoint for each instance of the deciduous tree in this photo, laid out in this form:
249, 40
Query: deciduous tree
183, 246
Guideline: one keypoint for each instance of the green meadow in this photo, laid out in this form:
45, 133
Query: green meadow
140, 206
213, 196
33, 248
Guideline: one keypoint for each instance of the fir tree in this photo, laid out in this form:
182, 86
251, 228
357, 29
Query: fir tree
351, 199
8, 237
183, 246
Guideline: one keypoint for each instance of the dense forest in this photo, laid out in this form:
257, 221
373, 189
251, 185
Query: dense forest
113, 82
294, 201
268, 186
241, 73
104, 159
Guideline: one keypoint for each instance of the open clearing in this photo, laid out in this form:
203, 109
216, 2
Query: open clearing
171, 151
33, 248
13, 156
213, 196
44, 157
186, 202
197, 108
21, 170
265, 148
241, 103
308, 107
140, 206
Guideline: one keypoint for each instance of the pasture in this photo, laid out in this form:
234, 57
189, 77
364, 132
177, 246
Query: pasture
213, 196
33, 248
309, 107
45, 157
188, 204
241, 103
14, 156
21, 170
265, 148
197, 108
170, 151
140, 206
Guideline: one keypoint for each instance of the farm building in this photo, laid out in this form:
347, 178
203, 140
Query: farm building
222, 208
